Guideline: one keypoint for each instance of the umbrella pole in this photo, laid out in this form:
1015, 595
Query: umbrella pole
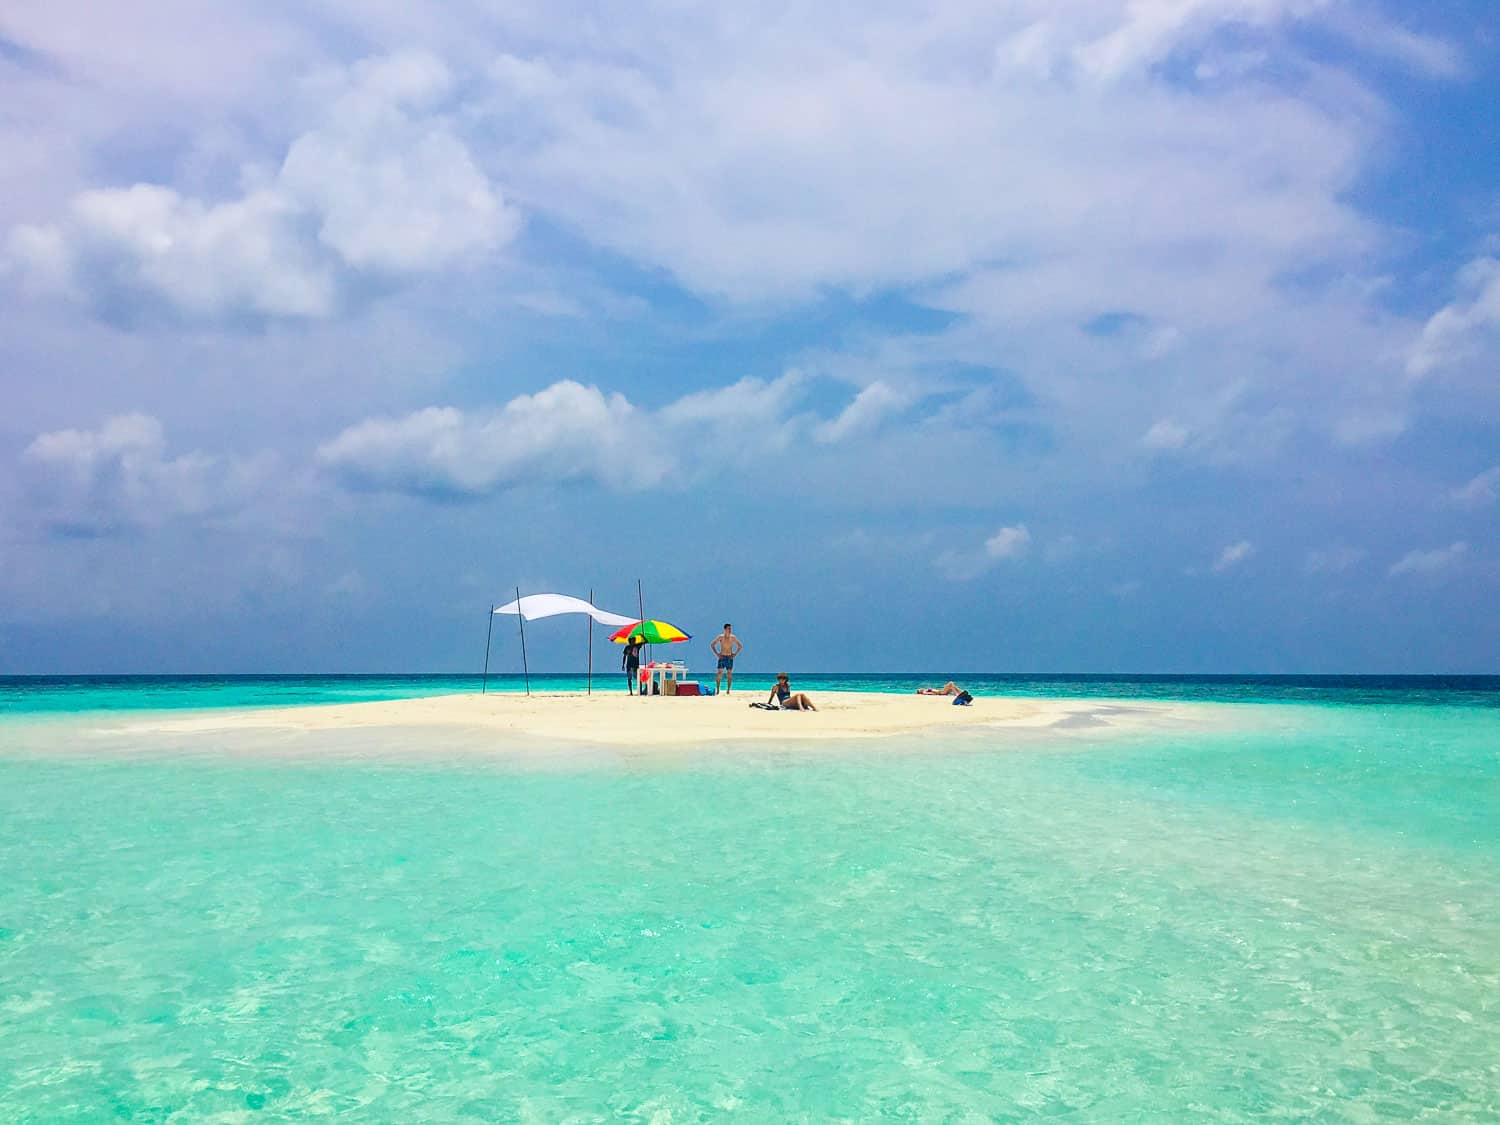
521, 621
489, 629
591, 643
640, 605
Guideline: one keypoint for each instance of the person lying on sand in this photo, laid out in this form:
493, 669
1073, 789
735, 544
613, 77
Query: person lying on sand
950, 688
782, 692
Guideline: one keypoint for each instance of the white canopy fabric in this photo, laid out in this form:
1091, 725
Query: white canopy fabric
533, 606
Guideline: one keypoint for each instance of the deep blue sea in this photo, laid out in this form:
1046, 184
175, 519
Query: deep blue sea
1289, 913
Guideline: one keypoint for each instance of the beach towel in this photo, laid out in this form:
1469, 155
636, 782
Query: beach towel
765, 707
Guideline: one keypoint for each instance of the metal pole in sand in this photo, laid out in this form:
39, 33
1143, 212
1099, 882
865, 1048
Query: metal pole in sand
488, 630
591, 642
521, 621
640, 606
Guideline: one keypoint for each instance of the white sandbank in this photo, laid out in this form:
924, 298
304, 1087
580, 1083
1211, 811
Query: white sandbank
619, 720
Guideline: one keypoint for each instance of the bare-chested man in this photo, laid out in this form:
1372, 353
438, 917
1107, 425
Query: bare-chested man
726, 647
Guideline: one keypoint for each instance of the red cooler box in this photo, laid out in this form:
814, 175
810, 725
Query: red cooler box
688, 687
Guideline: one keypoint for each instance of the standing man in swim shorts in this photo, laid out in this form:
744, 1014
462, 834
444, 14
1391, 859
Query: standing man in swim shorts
726, 647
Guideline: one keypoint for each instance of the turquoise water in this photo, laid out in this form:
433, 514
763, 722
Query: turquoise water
33, 695
1294, 918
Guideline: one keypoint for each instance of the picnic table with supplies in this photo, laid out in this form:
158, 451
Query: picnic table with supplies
667, 677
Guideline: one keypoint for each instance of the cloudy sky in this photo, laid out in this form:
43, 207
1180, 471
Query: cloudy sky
1034, 335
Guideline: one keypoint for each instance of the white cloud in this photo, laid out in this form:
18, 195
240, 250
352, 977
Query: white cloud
1149, 29
40, 255
565, 432
204, 260
742, 408
382, 186
965, 565
1027, 167
1482, 489
1456, 331
1008, 542
393, 186
118, 478
1233, 555
1426, 54
775, 159
870, 407
767, 160
1165, 434
1334, 559
1430, 563
1100, 183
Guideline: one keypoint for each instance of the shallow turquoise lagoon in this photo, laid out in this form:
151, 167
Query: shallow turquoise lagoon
68, 695
1297, 918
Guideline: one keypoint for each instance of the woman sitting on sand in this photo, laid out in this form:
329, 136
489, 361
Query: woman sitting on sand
950, 688
790, 701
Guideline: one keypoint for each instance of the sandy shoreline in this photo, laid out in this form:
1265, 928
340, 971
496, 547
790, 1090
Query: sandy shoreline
619, 720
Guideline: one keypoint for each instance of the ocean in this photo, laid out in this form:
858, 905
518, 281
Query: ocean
1293, 914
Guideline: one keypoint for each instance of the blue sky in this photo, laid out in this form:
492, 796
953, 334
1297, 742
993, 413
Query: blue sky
1054, 336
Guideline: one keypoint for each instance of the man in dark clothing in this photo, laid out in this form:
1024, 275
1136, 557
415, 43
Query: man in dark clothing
631, 662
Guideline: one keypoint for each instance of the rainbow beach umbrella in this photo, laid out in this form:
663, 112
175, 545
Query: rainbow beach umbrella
652, 632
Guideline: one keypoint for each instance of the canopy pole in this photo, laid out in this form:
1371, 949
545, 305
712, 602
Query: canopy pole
640, 605
488, 630
521, 621
591, 643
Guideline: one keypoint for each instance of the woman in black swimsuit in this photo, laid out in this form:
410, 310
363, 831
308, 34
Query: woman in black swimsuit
790, 700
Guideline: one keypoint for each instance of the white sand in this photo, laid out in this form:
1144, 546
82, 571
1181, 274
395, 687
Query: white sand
620, 720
